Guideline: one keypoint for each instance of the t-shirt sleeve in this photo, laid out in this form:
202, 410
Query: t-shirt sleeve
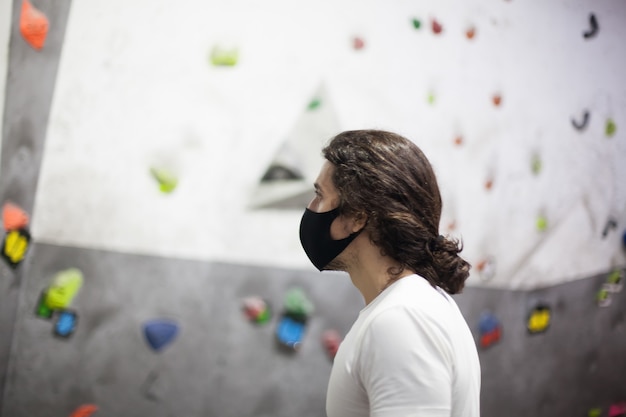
405, 365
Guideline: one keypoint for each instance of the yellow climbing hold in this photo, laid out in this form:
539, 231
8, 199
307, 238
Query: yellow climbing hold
539, 320
64, 288
15, 246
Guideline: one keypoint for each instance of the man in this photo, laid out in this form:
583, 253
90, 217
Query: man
376, 216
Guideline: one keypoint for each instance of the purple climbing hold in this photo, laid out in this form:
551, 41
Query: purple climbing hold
160, 333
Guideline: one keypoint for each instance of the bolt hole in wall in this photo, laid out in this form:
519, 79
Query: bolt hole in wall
157, 157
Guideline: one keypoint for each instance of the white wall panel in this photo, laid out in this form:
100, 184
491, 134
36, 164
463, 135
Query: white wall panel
135, 86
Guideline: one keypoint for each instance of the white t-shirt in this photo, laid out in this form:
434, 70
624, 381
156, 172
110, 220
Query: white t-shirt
410, 353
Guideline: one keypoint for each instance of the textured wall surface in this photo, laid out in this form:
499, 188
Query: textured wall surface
141, 90
222, 365
31, 77
107, 124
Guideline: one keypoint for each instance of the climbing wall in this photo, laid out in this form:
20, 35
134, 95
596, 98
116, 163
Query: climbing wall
154, 170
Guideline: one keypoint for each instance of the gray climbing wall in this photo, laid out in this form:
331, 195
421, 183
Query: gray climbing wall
220, 364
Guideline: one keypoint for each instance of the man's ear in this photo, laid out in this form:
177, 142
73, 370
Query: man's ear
358, 222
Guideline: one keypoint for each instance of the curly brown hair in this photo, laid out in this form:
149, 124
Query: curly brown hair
387, 177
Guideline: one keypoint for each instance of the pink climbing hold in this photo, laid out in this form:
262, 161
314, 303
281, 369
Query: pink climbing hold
331, 341
617, 410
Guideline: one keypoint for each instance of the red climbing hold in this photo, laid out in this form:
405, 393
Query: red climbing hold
14, 217
84, 410
33, 25
437, 27
358, 43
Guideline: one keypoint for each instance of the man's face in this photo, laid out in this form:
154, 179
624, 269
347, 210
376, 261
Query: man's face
327, 198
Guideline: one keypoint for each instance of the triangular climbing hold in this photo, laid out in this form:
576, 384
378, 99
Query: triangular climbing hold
14, 217
160, 333
33, 25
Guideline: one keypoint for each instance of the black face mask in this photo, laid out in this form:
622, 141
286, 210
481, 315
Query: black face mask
316, 240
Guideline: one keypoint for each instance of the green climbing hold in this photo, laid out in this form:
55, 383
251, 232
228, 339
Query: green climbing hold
611, 128
535, 164
314, 104
63, 289
542, 223
297, 303
167, 181
42, 309
416, 24
222, 57
595, 412
431, 98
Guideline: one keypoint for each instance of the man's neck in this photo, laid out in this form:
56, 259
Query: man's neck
370, 273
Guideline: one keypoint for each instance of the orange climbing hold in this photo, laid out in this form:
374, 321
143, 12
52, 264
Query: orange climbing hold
84, 410
14, 217
33, 25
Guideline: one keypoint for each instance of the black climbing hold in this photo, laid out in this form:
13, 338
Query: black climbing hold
594, 27
582, 125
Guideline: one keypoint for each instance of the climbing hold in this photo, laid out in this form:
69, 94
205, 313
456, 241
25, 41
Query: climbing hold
624, 239
470, 32
593, 27
458, 141
535, 164
416, 24
617, 410
160, 333
489, 184
290, 330
358, 43
542, 223
65, 324
85, 410
64, 288
610, 128
539, 319
314, 104
486, 269
611, 224
497, 100
297, 303
224, 57
437, 27
42, 310
595, 412
256, 309
331, 341
167, 181
603, 297
582, 125
489, 329
14, 217
33, 26
431, 98
15, 246
615, 281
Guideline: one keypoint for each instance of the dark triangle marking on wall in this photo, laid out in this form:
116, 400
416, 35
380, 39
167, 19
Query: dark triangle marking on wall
287, 182
288, 179
30, 84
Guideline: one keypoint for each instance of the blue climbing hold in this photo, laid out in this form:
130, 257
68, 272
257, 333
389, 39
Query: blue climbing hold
160, 333
290, 330
487, 323
624, 239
